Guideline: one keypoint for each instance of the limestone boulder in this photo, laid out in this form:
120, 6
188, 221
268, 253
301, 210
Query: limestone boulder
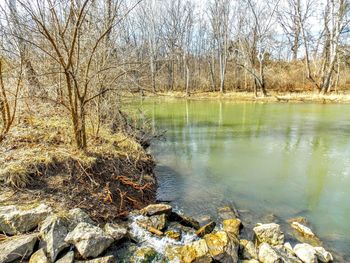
124, 251
222, 246
226, 212
156, 209
305, 252
17, 248
144, 255
53, 231
247, 250
304, 230
268, 255
194, 251
323, 255
269, 233
206, 229
286, 255
107, 259
39, 257
117, 232
16, 220
184, 220
232, 226
289, 249
89, 240
173, 253
158, 222
76, 216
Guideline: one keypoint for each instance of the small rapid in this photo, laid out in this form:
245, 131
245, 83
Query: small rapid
159, 244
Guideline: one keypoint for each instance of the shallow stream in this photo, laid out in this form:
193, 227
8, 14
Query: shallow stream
283, 159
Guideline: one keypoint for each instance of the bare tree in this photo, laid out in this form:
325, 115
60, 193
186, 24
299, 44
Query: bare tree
335, 21
289, 21
149, 17
8, 97
220, 15
67, 34
257, 40
14, 27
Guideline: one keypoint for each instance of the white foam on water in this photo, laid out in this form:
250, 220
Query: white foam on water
159, 244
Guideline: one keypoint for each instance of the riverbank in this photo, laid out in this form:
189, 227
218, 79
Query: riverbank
40, 163
33, 138
157, 233
273, 97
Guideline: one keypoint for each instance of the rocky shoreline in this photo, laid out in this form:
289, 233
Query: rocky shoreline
157, 233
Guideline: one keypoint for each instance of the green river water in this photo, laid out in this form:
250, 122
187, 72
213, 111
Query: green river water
286, 159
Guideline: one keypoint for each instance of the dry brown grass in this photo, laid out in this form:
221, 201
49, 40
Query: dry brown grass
39, 162
36, 143
273, 96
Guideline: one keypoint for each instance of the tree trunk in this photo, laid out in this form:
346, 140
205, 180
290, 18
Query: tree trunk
262, 77
222, 64
153, 74
187, 79
79, 126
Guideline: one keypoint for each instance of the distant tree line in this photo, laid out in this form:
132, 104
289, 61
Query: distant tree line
81, 54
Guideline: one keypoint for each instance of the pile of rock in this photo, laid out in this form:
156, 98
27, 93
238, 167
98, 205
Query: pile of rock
56, 238
39, 235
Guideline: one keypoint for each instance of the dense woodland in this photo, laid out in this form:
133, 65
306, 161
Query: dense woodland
80, 54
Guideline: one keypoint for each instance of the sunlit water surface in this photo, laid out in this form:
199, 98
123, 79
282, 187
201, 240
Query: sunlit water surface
286, 159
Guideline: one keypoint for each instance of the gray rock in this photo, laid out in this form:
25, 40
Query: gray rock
173, 252
227, 212
232, 226
194, 251
304, 230
15, 220
76, 216
89, 240
222, 246
18, 247
185, 220
286, 255
39, 257
146, 225
247, 249
144, 255
68, 258
115, 231
269, 233
206, 229
268, 255
301, 231
288, 247
204, 219
107, 259
53, 231
156, 209
124, 252
158, 222
323, 255
306, 253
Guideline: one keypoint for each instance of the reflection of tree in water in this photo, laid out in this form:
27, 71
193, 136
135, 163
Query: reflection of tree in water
272, 157
317, 170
